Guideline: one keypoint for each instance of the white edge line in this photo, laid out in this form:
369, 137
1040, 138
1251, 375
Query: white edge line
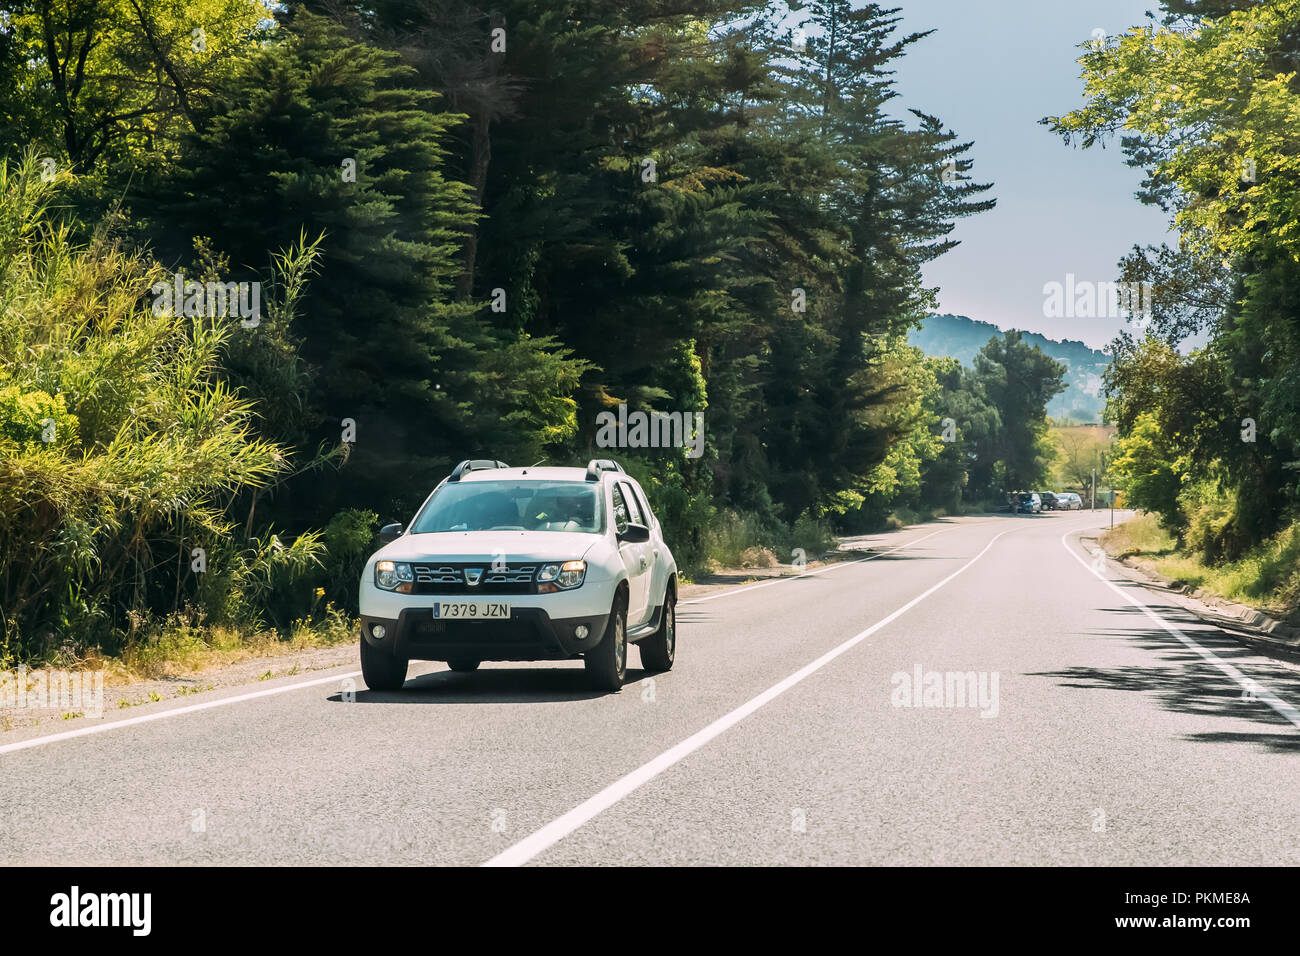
174, 712
561, 827
808, 574
1247, 683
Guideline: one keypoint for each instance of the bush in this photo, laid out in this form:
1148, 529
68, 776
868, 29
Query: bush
1211, 517
124, 447
34, 419
682, 506
758, 558
813, 536
349, 539
731, 537
704, 537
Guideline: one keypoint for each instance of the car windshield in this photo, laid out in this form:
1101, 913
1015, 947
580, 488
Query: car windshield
513, 506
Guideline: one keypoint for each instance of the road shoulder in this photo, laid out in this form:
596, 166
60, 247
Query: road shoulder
1247, 624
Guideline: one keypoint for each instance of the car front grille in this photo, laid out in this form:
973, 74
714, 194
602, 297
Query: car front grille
444, 578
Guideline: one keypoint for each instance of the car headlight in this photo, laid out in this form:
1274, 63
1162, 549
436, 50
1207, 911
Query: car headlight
561, 577
394, 576
571, 574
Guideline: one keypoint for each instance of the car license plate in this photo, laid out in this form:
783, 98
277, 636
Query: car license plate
470, 610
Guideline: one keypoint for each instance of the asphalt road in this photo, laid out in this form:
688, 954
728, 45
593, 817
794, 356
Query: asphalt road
1106, 734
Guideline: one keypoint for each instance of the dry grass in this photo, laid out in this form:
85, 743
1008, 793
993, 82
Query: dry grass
181, 649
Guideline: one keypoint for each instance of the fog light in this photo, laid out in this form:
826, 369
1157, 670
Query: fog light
581, 631
377, 631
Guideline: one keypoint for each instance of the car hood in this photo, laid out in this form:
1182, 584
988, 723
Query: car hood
484, 545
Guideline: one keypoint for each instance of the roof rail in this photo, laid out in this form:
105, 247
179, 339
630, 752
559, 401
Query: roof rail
597, 465
474, 464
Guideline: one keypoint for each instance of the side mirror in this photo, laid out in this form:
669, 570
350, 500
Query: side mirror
635, 534
390, 532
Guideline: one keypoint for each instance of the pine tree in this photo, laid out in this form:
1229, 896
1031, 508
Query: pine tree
349, 152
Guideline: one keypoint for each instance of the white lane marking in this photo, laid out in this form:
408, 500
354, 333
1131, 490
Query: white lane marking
1256, 689
175, 712
808, 574
561, 827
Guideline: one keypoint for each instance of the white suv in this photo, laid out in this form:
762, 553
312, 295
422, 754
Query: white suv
522, 564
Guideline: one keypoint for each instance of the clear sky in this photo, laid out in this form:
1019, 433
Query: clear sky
990, 72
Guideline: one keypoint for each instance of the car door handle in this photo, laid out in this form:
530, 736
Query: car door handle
643, 564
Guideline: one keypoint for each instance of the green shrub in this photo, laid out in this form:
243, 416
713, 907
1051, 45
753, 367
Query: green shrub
1210, 516
35, 419
153, 451
682, 506
733, 538
349, 539
1149, 474
814, 536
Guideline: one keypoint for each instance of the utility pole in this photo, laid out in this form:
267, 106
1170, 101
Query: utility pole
1093, 496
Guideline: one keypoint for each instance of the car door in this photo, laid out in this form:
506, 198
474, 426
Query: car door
635, 554
658, 551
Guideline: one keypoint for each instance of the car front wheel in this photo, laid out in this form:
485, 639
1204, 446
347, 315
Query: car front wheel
381, 670
606, 663
659, 649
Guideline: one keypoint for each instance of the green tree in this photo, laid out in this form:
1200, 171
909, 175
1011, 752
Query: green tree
114, 82
1018, 381
1147, 468
350, 152
967, 423
653, 175
1206, 104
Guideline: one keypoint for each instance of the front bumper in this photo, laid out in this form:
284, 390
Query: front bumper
530, 634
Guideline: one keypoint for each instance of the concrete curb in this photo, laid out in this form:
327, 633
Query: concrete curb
1249, 624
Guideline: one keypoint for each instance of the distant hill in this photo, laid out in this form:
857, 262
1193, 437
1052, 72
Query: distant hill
958, 337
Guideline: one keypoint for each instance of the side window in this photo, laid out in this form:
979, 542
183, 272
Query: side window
645, 506
633, 505
620, 511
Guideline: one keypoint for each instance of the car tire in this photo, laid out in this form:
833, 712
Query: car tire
463, 666
606, 663
659, 649
381, 670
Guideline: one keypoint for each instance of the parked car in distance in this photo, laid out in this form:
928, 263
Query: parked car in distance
1028, 502
1049, 501
1068, 501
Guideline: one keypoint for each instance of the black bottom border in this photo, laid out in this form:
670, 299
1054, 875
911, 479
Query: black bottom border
238, 905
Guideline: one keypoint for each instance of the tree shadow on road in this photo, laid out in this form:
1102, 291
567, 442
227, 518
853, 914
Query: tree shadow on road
1186, 682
